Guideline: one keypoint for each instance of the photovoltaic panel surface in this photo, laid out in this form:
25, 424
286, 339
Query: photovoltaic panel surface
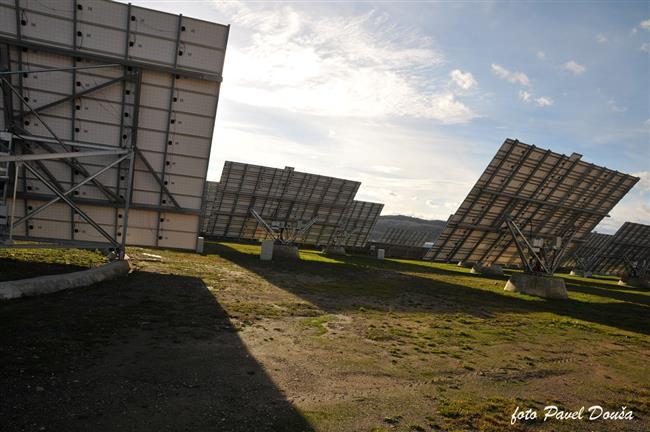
544, 192
360, 219
630, 243
589, 250
279, 196
159, 97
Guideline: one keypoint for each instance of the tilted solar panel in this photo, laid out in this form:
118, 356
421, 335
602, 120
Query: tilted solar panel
546, 193
149, 84
360, 219
631, 243
588, 251
280, 196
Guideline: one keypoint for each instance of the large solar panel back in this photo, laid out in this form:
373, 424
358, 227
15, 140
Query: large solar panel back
546, 193
160, 96
631, 243
278, 195
360, 219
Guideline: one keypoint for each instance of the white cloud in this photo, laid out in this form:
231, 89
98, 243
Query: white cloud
645, 24
615, 107
574, 67
601, 39
541, 55
645, 47
543, 101
514, 77
465, 80
525, 96
358, 66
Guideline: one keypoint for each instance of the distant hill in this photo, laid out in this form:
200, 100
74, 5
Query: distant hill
385, 223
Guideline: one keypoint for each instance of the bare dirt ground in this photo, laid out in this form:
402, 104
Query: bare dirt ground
224, 342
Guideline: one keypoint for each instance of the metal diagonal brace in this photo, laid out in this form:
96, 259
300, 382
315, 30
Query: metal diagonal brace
73, 205
265, 225
566, 239
74, 96
49, 156
514, 229
69, 191
158, 179
72, 162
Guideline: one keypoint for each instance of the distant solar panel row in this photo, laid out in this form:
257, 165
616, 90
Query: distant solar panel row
630, 243
593, 246
546, 193
286, 196
360, 219
403, 237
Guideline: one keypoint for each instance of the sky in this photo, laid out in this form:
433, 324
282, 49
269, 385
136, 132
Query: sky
413, 99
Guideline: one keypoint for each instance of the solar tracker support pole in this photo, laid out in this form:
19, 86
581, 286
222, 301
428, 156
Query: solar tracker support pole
134, 150
265, 225
515, 231
13, 203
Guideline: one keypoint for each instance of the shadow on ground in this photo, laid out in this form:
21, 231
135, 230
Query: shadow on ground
11, 269
353, 280
149, 352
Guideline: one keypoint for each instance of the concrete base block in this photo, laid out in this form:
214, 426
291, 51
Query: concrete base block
576, 272
60, 282
381, 254
334, 250
634, 282
465, 264
537, 285
266, 253
286, 252
494, 270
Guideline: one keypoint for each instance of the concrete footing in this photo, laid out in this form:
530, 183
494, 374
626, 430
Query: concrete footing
60, 282
537, 285
634, 282
266, 251
286, 252
494, 270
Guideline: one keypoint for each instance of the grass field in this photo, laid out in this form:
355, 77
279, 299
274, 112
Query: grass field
226, 342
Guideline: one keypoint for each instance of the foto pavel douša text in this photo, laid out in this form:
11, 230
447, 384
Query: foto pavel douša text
552, 412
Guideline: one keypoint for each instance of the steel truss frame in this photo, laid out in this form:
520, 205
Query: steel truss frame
539, 259
287, 235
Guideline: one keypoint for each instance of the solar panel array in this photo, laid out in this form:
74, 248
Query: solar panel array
588, 251
360, 219
159, 97
630, 243
403, 237
286, 196
545, 193
209, 197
